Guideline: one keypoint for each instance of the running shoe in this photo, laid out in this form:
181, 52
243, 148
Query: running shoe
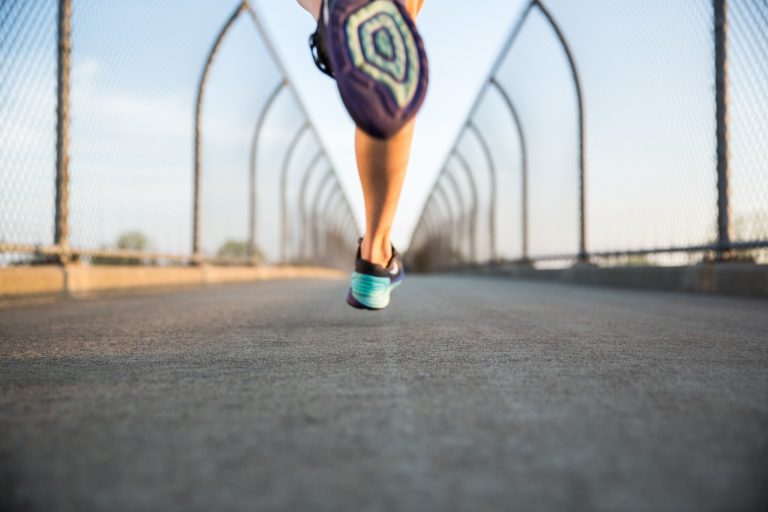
373, 50
372, 284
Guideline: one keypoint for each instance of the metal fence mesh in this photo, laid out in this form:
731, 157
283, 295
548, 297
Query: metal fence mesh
647, 76
748, 108
135, 70
27, 121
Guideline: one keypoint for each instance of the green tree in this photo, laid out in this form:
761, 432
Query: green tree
133, 241
128, 241
237, 250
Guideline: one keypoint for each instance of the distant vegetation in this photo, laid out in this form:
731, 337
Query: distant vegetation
128, 241
237, 250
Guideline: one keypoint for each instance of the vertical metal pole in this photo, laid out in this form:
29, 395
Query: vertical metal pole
284, 189
583, 256
61, 221
525, 257
196, 253
254, 167
724, 224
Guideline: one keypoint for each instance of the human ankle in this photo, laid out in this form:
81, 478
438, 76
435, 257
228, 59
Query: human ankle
377, 250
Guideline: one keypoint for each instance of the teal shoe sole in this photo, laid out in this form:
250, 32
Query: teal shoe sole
370, 292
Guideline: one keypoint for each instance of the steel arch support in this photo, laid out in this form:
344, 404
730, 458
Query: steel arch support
473, 209
494, 181
319, 191
523, 164
196, 252
329, 201
304, 128
583, 256
253, 174
462, 210
439, 191
303, 201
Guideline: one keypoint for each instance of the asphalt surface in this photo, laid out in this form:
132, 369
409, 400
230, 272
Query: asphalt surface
467, 394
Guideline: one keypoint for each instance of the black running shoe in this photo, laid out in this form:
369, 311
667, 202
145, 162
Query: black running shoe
372, 284
373, 50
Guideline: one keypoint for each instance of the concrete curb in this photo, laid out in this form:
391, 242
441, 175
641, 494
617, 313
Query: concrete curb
742, 279
75, 280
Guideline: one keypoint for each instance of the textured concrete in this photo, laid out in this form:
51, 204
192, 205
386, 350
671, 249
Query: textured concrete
468, 394
734, 278
21, 283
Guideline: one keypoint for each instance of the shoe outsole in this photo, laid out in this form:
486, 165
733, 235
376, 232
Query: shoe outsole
352, 301
380, 63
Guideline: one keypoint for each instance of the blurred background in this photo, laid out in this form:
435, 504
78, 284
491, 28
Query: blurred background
553, 132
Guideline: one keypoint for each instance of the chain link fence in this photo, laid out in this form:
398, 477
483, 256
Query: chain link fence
155, 132
620, 133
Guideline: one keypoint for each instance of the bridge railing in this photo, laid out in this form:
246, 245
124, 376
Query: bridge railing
155, 132
612, 133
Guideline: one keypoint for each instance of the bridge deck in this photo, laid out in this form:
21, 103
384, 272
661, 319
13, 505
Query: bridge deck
469, 393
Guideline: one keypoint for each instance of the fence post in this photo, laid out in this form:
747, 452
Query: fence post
61, 221
724, 225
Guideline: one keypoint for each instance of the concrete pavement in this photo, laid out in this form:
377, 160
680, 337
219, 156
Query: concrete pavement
469, 393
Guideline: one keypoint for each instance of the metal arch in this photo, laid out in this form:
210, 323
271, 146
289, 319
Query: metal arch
444, 232
254, 164
317, 221
196, 254
441, 204
513, 34
351, 214
337, 214
583, 256
430, 217
429, 224
474, 209
335, 191
278, 60
523, 163
494, 191
351, 220
303, 200
304, 128
341, 218
462, 210
451, 217
319, 191
439, 212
